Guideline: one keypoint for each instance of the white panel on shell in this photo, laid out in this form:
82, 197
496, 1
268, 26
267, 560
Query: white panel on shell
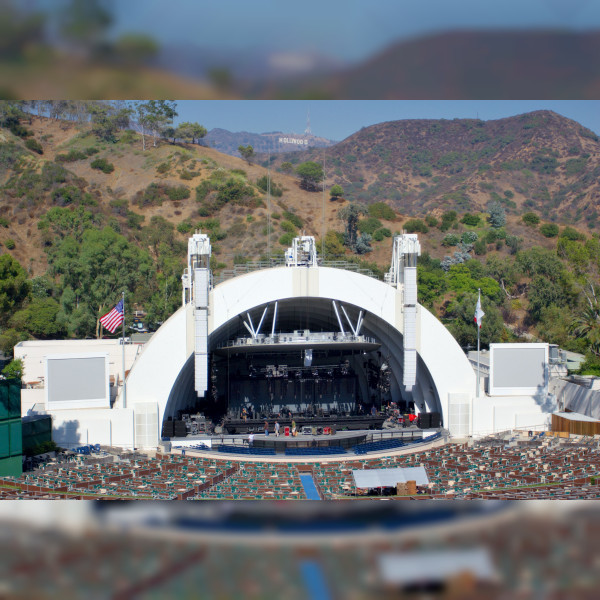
459, 414
201, 288
201, 373
410, 368
146, 424
410, 286
410, 344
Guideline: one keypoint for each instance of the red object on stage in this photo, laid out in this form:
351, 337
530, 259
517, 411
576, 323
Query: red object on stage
327, 430
286, 432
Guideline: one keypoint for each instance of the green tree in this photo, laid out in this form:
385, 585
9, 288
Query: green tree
334, 245
14, 369
311, 175
247, 153
39, 318
107, 118
287, 167
497, 216
193, 131
96, 270
336, 191
14, 286
350, 215
543, 293
587, 326
459, 320
540, 261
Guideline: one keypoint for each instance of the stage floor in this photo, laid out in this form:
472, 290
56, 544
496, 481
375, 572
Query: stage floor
345, 439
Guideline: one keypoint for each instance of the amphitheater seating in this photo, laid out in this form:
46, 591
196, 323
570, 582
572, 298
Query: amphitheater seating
377, 446
541, 468
247, 450
325, 451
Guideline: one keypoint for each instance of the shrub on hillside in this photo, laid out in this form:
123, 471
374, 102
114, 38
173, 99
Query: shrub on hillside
288, 227
71, 156
431, 221
469, 237
549, 230
415, 226
293, 218
448, 218
286, 239
68, 194
451, 239
572, 234
380, 210
480, 248
369, 225
34, 145
10, 244
180, 192
530, 219
263, 184
471, 220
102, 165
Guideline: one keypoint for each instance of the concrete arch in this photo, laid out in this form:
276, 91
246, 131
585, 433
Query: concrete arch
160, 375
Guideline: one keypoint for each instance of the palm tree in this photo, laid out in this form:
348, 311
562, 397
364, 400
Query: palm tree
587, 326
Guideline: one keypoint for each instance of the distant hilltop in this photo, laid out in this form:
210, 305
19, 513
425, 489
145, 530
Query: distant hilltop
273, 142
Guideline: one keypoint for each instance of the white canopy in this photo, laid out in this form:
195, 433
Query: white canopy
404, 568
376, 478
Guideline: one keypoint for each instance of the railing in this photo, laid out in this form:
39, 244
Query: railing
293, 338
249, 267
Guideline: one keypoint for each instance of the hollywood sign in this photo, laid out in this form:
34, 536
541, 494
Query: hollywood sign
293, 141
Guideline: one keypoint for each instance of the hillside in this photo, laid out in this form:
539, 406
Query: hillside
491, 64
377, 151
537, 161
86, 218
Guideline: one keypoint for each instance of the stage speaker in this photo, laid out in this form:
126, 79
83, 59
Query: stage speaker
436, 420
180, 429
167, 429
425, 420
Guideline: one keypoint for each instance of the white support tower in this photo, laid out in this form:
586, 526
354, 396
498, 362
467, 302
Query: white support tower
302, 253
198, 282
403, 276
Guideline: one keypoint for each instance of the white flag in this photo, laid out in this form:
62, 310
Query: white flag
478, 312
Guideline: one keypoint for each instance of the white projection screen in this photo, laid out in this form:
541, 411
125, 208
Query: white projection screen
77, 381
518, 369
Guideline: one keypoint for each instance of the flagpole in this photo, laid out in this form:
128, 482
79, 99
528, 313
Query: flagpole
123, 343
478, 329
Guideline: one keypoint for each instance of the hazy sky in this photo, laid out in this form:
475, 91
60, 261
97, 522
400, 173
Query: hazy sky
337, 119
347, 29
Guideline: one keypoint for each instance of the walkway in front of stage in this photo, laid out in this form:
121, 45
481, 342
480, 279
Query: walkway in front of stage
345, 438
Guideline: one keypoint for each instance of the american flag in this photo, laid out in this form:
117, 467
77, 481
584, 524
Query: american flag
114, 318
